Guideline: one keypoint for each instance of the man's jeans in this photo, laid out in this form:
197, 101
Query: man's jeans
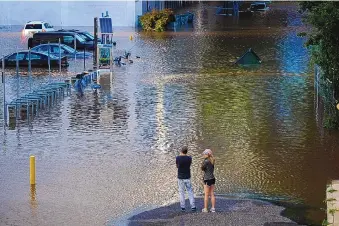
185, 183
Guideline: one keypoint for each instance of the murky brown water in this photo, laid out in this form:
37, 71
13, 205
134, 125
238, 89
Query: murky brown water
104, 155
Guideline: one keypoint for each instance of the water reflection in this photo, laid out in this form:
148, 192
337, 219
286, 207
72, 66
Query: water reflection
33, 201
161, 127
256, 137
292, 50
101, 109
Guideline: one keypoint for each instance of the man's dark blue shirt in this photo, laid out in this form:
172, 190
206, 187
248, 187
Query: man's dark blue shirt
184, 164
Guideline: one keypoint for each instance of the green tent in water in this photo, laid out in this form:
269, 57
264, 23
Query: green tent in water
249, 58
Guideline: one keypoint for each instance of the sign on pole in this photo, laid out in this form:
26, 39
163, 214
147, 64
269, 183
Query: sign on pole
105, 58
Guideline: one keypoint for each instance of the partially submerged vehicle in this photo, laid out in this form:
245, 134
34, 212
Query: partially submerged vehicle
64, 50
37, 60
249, 58
71, 39
258, 7
85, 34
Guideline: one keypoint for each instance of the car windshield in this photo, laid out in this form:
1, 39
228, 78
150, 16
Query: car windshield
36, 48
91, 37
14, 56
81, 39
33, 26
52, 56
68, 49
84, 37
47, 25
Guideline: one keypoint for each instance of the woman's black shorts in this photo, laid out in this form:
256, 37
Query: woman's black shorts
209, 182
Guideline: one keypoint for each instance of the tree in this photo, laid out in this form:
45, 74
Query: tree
324, 43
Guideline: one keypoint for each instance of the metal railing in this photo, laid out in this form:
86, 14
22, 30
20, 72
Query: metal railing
29, 105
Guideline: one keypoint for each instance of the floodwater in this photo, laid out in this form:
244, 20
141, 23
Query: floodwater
103, 156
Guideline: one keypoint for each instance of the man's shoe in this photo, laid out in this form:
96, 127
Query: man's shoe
194, 209
213, 210
183, 209
204, 210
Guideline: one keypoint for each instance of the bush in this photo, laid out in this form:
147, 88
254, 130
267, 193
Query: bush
157, 20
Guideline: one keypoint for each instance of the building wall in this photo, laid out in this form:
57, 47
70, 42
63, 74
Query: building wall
67, 13
144, 6
148, 6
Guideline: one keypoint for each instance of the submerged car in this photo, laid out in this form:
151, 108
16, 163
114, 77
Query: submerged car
65, 51
71, 39
37, 60
258, 7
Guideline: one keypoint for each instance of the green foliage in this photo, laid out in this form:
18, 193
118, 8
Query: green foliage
333, 211
325, 223
157, 20
160, 24
331, 190
104, 60
308, 5
302, 34
324, 16
330, 200
324, 43
331, 122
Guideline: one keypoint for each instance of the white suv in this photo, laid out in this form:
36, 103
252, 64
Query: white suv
32, 27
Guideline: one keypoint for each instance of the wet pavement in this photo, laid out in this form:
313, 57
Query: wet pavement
102, 156
230, 212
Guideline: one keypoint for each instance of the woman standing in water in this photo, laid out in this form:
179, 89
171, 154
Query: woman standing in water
209, 180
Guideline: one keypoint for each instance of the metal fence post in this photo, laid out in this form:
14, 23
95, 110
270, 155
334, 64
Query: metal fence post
30, 69
95, 51
4, 85
75, 54
59, 56
17, 73
49, 64
84, 59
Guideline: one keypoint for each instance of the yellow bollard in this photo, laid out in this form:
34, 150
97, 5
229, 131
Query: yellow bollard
131, 37
32, 169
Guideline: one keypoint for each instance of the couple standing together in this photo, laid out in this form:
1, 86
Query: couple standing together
184, 162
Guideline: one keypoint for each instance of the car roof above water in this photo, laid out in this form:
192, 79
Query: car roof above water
54, 33
67, 30
51, 44
26, 51
36, 22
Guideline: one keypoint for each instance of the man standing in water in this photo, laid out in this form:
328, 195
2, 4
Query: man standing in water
184, 178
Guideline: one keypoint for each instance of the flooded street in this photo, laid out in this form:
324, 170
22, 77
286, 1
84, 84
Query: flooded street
103, 156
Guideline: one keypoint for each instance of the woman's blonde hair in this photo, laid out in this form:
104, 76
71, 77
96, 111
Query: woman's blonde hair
211, 159
209, 154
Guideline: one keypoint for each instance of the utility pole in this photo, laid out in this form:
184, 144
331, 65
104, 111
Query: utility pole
95, 56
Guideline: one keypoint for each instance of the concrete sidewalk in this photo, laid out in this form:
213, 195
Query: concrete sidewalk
332, 201
231, 212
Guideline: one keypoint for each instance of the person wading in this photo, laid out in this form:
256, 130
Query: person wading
184, 162
209, 180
